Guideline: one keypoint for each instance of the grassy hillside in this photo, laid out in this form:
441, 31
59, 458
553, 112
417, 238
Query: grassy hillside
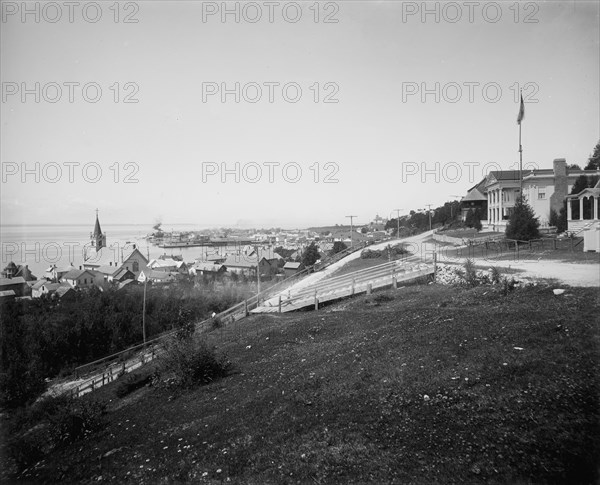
426, 384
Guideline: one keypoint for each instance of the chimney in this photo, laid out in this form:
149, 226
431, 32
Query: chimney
560, 167
560, 184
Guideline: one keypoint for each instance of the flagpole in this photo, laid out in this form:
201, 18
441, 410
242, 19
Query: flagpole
520, 162
521, 116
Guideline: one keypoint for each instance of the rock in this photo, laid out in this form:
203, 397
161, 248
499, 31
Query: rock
558, 291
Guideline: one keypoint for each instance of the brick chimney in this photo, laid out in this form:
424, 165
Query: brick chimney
561, 184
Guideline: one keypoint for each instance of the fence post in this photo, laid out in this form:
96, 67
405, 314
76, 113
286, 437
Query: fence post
434, 265
316, 301
353, 283
246, 308
279, 304
369, 289
394, 282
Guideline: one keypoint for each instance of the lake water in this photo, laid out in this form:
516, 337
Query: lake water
39, 246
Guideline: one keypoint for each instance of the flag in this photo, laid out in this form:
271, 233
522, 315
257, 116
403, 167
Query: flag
521, 112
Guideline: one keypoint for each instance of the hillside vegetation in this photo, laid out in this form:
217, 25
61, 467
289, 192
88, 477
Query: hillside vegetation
425, 384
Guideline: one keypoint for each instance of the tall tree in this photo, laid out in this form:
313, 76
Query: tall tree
522, 224
310, 255
594, 160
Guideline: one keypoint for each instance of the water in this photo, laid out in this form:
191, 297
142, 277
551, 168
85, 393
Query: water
40, 246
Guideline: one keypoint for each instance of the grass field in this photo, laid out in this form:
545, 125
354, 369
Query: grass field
425, 384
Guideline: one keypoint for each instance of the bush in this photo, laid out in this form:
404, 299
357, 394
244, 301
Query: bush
49, 424
134, 381
470, 274
190, 362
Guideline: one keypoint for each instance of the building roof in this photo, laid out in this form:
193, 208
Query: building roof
214, 268
61, 290
97, 229
106, 255
291, 265
107, 270
125, 283
121, 272
240, 261
39, 284
19, 280
52, 286
76, 273
7, 293
473, 196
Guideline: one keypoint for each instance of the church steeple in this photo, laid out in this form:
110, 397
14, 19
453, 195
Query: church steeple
98, 239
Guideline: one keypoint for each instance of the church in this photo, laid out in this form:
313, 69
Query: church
114, 260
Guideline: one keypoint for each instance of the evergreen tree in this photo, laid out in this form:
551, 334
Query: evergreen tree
594, 160
522, 224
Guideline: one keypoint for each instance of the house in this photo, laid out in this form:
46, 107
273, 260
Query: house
583, 215
65, 292
291, 268
544, 190
208, 269
45, 287
17, 284
82, 278
158, 277
54, 273
242, 264
7, 295
13, 271
169, 265
547, 189
475, 200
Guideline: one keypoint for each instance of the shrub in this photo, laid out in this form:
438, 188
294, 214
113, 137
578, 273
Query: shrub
470, 275
192, 361
495, 275
51, 423
133, 382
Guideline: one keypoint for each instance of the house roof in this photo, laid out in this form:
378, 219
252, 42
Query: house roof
209, 267
61, 290
6, 293
124, 283
121, 272
105, 256
291, 265
158, 275
108, 270
473, 196
237, 261
52, 286
77, 273
19, 280
39, 284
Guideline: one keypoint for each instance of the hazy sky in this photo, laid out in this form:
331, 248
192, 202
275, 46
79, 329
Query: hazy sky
386, 143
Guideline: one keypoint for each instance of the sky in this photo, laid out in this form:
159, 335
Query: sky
284, 114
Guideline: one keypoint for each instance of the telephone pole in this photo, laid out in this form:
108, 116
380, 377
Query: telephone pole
398, 219
429, 212
351, 228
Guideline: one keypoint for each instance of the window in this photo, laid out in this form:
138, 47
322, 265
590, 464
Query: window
136, 266
541, 195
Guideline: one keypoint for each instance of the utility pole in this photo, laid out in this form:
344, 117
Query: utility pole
398, 219
351, 229
257, 274
429, 212
144, 310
